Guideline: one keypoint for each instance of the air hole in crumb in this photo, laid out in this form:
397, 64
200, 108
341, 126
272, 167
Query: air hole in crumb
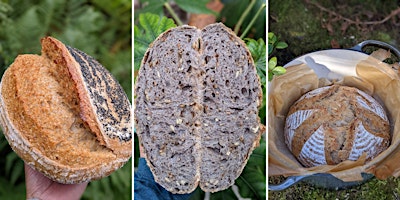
227, 83
245, 92
207, 59
189, 37
189, 69
213, 94
172, 133
187, 87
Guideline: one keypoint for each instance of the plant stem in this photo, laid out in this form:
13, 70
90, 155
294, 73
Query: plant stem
253, 21
243, 16
172, 12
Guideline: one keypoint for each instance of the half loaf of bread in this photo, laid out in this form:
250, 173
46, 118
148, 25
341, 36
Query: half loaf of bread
65, 115
197, 99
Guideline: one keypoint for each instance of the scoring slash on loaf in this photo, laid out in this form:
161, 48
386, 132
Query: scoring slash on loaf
336, 123
65, 115
196, 111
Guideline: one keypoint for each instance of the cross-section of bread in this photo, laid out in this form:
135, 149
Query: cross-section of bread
197, 99
65, 115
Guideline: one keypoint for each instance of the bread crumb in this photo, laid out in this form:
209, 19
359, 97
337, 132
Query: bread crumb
255, 129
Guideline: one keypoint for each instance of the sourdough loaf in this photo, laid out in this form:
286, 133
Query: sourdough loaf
336, 123
65, 115
197, 99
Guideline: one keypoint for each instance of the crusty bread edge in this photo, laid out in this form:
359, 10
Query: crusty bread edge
54, 171
85, 102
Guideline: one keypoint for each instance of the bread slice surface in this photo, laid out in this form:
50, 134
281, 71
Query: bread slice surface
43, 121
197, 98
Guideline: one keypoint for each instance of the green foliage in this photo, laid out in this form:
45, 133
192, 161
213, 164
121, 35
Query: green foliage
149, 28
198, 6
99, 31
233, 10
157, 6
274, 43
257, 49
102, 29
253, 178
116, 186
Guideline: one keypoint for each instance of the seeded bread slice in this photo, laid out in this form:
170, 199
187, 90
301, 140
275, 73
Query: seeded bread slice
197, 99
65, 115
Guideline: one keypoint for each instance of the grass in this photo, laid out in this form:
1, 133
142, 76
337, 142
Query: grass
373, 189
307, 27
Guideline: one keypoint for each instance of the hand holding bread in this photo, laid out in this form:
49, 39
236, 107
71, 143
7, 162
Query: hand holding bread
65, 115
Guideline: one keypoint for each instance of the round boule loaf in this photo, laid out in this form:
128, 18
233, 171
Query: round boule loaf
335, 123
65, 115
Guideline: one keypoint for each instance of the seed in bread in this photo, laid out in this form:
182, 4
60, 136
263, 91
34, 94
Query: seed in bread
336, 123
197, 98
65, 115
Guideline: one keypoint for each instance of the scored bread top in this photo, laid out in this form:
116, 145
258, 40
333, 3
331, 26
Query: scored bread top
44, 114
336, 123
196, 108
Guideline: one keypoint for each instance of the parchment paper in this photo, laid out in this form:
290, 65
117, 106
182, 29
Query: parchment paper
373, 77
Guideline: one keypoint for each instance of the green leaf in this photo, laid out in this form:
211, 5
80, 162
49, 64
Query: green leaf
281, 45
271, 38
270, 48
258, 52
257, 49
232, 11
151, 6
272, 63
149, 28
251, 182
270, 76
198, 6
279, 70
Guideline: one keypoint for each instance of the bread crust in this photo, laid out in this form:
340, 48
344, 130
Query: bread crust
336, 123
51, 121
192, 85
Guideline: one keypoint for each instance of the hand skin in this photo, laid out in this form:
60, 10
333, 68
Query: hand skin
40, 187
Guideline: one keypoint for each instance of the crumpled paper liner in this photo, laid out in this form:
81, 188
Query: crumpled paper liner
375, 78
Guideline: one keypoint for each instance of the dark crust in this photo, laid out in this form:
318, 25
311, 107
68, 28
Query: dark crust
111, 103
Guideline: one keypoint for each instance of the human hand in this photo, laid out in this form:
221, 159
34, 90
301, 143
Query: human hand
40, 187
